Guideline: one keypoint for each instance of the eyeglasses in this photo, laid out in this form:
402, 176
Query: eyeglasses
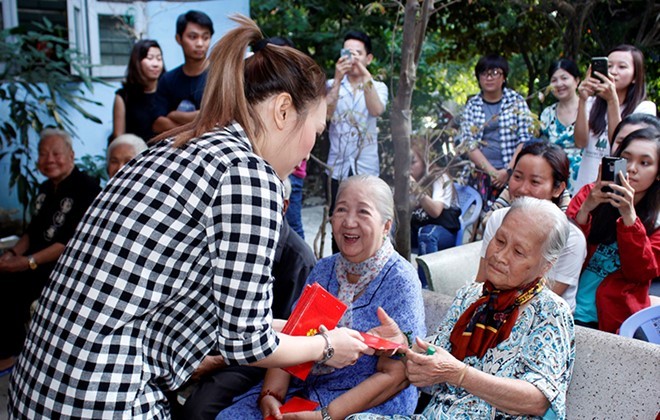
493, 74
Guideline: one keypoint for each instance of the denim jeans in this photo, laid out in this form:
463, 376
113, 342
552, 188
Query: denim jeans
432, 238
294, 212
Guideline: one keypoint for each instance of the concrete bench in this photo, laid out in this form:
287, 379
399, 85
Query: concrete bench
448, 270
613, 377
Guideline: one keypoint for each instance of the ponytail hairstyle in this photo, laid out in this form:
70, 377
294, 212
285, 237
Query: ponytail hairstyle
635, 93
235, 84
604, 216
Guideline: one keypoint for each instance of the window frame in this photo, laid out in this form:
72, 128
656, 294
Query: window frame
83, 27
97, 8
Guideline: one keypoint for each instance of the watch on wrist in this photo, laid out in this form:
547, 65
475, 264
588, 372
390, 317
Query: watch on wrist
325, 414
32, 263
329, 351
509, 172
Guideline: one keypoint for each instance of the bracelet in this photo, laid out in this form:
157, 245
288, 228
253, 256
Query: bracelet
267, 393
325, 414
462, 375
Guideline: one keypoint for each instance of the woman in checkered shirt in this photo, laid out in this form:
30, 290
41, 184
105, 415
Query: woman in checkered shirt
173, 260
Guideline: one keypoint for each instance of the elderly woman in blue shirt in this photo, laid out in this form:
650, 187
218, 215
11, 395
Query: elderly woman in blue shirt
371, 278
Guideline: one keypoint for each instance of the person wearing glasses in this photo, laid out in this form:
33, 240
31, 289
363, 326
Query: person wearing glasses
495, 123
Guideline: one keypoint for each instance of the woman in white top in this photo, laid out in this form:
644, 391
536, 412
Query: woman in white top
604, 100
541, 171
434, 204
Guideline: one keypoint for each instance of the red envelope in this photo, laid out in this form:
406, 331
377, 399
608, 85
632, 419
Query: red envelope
315, 307
296, 405
378, 343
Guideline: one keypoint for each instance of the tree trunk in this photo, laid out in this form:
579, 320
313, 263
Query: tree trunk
414, 28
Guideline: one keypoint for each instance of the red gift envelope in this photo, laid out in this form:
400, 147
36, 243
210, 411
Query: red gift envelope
315, 307
378, 343
296, 405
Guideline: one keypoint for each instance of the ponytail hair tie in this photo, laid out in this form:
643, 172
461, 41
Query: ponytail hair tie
260, 45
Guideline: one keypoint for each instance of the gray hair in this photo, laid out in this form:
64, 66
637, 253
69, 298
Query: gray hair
56, 132
550, 217
129, 139
287, 188
381, 193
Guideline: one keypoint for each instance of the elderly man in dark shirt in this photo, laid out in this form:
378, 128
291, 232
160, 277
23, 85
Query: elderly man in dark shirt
294, 261
59, 206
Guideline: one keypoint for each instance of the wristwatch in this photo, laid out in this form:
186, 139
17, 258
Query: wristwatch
329, 350
324, 413
32, 263
509, 171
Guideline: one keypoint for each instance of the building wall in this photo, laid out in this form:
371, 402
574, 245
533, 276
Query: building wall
91, 138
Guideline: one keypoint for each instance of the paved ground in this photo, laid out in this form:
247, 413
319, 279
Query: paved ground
312, 217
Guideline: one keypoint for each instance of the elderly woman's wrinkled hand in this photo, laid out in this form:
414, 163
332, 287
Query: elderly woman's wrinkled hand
348, 345
270, 406
388, 330
426, 370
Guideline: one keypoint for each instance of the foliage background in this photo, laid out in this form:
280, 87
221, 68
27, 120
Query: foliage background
529, 33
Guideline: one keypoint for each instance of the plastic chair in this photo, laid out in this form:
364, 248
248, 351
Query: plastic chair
467, 198
648, 320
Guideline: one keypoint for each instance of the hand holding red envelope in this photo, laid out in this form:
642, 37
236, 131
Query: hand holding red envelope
378, 343
296, 405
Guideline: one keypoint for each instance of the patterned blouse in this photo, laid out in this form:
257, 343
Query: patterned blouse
540, 350
172, 260
562, 136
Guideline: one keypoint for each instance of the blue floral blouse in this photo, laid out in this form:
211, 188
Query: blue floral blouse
562, 136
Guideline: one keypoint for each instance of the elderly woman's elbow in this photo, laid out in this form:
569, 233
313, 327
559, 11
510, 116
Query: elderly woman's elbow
539, 406
535, 405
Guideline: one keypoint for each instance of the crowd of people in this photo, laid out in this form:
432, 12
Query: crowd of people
182, 270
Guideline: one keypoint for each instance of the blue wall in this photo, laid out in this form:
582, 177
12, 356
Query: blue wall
91, 138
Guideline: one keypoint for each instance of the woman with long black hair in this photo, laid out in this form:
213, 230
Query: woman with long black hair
623, 240
604, 100
132, 111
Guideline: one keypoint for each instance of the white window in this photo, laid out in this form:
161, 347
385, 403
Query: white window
103, 30
114, 27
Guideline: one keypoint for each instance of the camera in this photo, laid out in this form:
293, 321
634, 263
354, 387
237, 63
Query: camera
345, 52
610, 168
600, 65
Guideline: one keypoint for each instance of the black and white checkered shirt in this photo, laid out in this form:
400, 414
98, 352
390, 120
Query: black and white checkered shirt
171, 261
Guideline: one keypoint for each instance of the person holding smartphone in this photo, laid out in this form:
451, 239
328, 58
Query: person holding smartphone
621, 221
355, 101
604, 99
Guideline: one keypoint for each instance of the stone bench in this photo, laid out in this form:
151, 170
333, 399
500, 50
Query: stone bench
613, 377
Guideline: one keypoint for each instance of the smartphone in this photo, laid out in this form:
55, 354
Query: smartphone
610, 168
600, 65
345, 52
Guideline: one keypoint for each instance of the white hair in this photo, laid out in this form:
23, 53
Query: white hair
56, 132
550, 217
381, 193
129, 139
